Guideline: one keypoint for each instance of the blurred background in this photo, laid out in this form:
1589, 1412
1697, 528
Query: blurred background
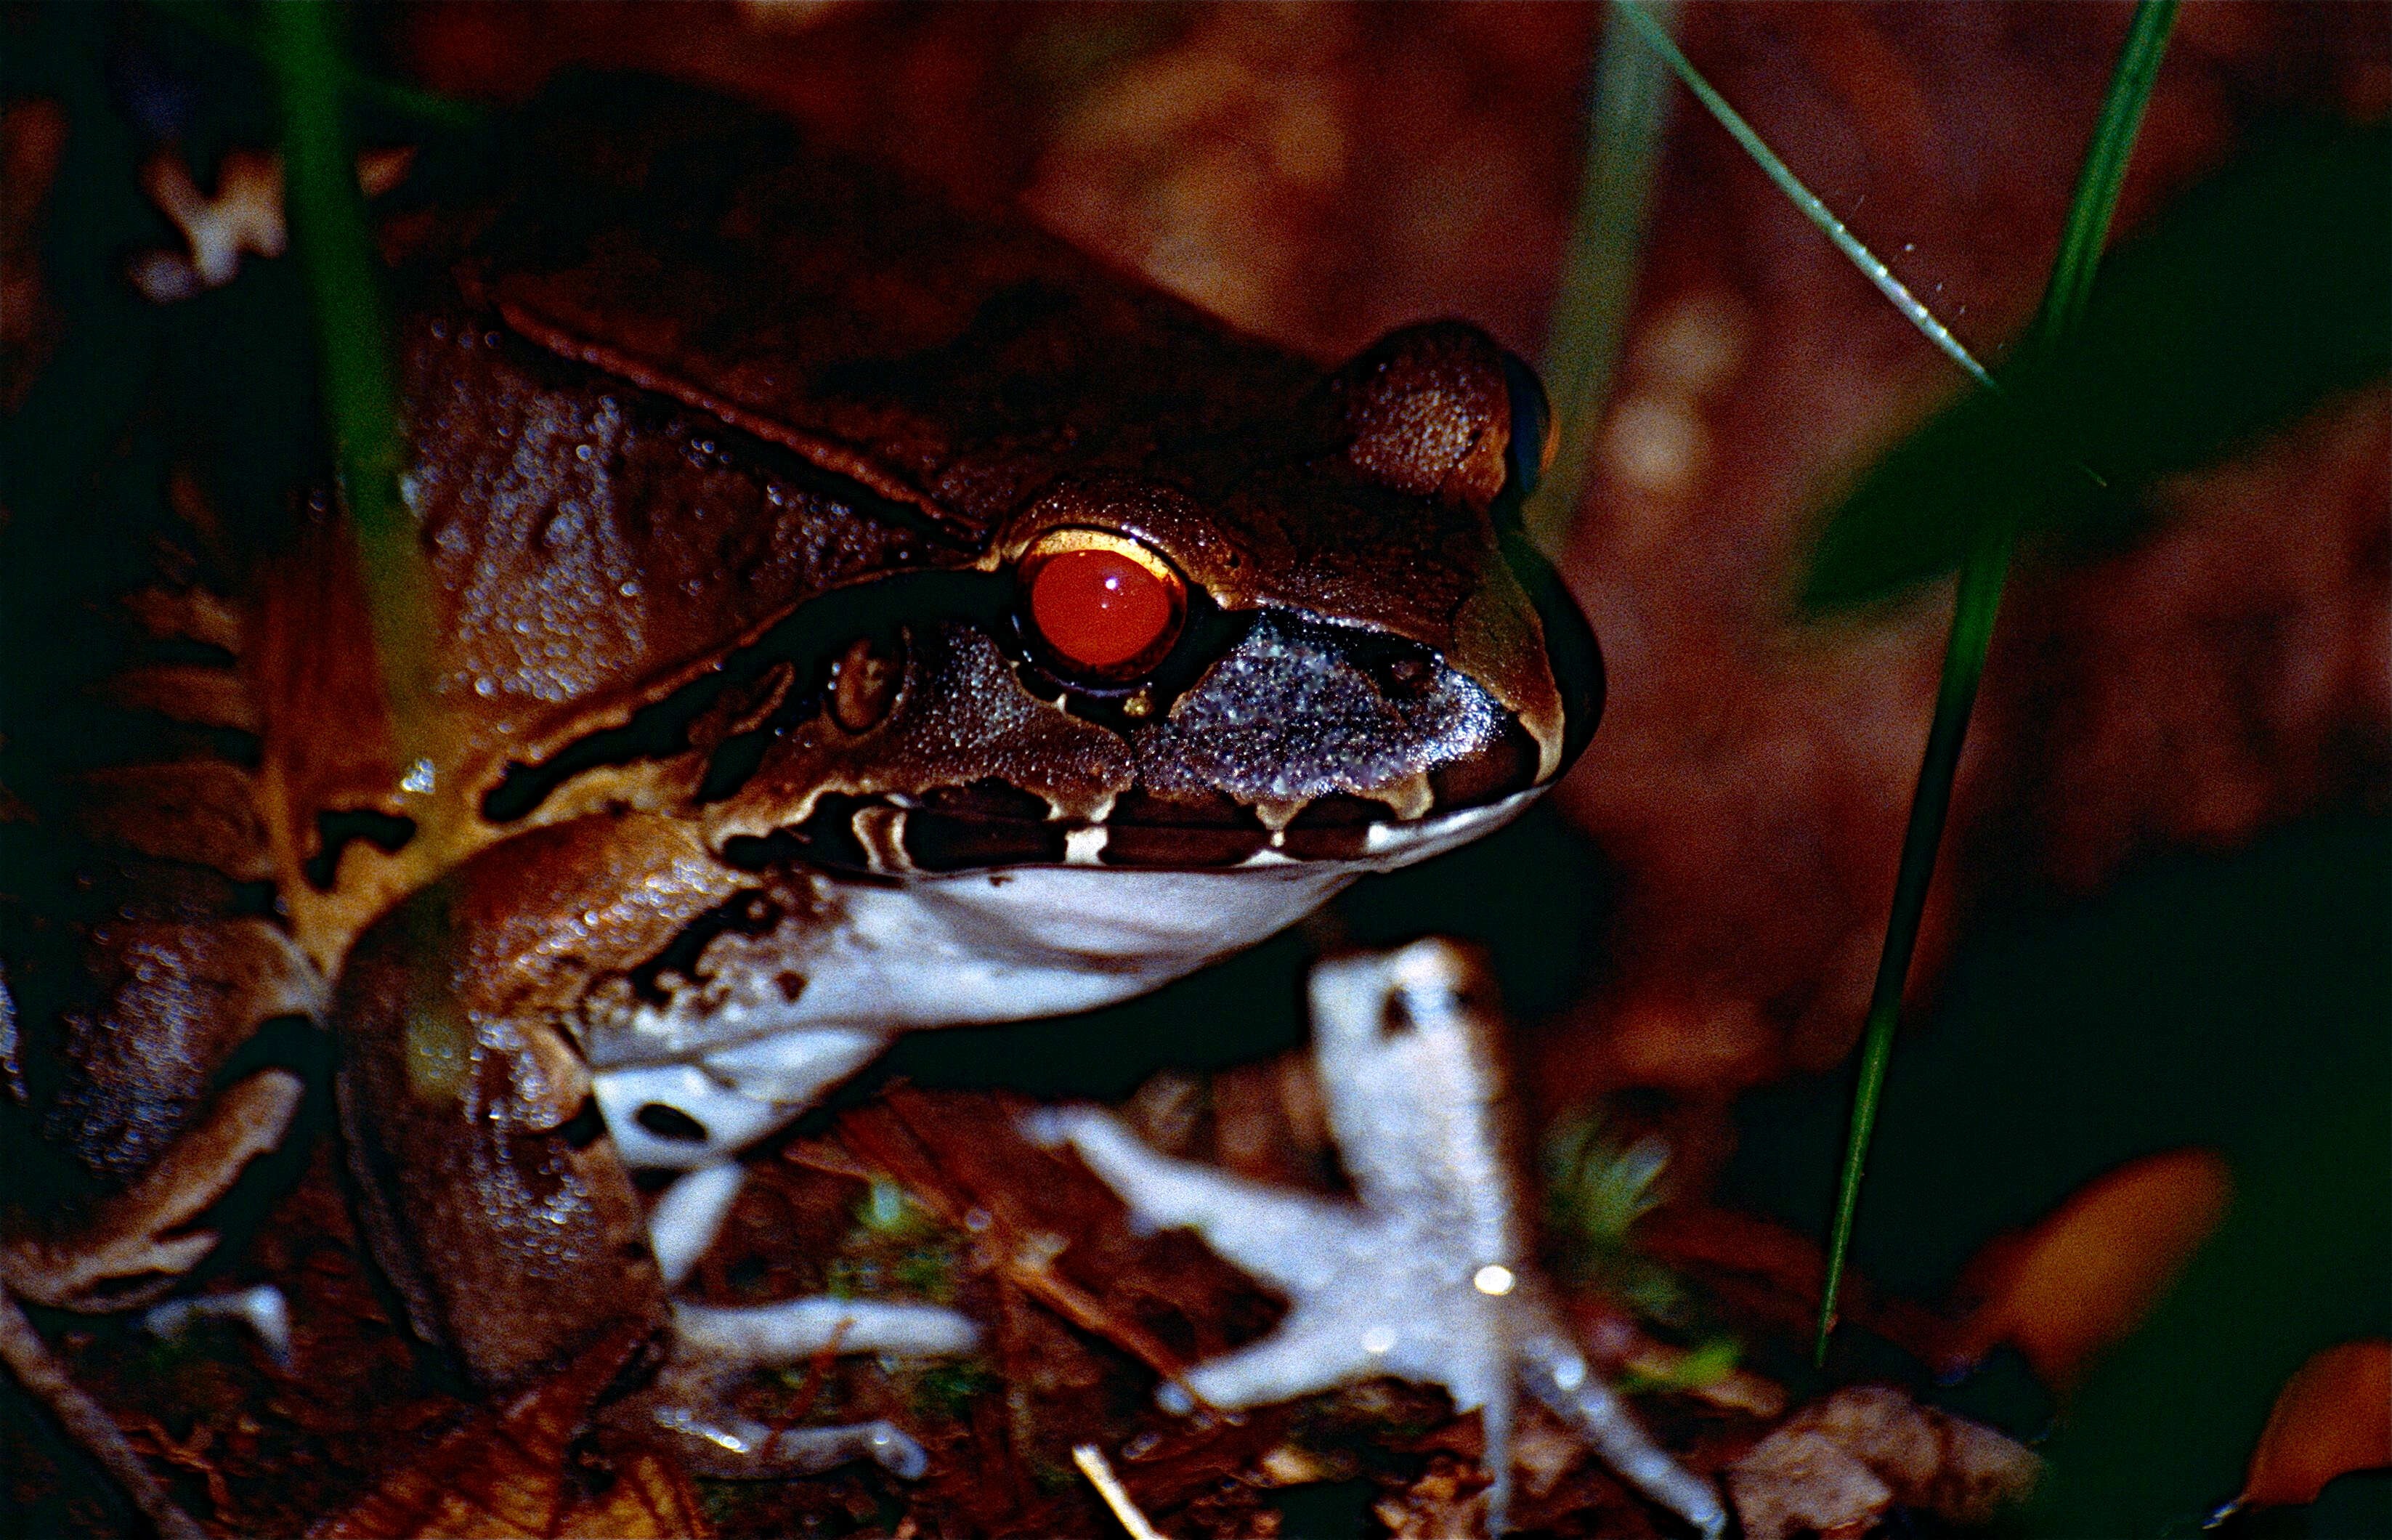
2164, 915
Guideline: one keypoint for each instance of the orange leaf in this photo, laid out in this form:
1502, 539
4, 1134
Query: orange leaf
501, 1475
2086, 1275
651, 1500
2333, 1417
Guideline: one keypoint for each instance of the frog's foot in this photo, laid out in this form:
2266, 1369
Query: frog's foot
1557, 1374
792, 1331
714, 1345
696, 1117
731, 1446
138, 1243
1426, 1275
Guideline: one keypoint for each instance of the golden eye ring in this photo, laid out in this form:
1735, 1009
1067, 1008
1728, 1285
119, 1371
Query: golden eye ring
1105, 606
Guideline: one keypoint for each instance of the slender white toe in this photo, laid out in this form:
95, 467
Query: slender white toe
689, 1214
793, 1330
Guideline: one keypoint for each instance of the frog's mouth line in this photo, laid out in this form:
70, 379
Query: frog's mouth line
900, 836
942, 949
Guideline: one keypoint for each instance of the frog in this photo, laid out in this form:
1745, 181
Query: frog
854, 613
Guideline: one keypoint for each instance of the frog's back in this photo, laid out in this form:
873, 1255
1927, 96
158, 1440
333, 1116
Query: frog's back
739, 470
670, 373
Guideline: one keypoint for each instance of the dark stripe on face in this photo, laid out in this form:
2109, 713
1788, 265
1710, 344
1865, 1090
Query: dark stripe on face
1204, 829
807, 640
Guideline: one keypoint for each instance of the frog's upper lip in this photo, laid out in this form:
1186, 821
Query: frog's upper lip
966, 829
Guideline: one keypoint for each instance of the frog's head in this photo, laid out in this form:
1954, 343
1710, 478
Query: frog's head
880, 540
1312, 645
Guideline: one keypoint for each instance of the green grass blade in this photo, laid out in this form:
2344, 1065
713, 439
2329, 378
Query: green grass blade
1972, 622
1625, 128
2104, 172
1656, 37
218, 21
2254, 294
335, 250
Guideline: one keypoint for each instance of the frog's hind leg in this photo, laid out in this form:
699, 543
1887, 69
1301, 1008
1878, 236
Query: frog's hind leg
157, 1022
166, 1090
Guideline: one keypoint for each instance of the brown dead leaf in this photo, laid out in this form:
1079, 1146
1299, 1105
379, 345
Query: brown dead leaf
1837, 1463
150, 1435
1449, 1499
2333, 1417
968, 1170
1800, 1479
503, 1474
651, 1500
2086, 1275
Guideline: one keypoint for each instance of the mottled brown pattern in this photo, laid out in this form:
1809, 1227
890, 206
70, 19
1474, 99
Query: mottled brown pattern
702, 423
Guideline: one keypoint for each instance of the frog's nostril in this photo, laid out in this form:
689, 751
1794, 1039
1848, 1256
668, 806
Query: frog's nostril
670, 1123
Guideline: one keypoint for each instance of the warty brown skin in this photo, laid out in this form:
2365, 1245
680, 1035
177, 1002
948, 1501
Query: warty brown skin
707, 429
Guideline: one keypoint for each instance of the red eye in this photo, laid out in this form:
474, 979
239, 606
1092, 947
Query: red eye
1108, 607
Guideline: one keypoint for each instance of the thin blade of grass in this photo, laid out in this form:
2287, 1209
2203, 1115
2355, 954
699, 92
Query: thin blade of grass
1977, 602
1656, 37
1626, 122
328, 220
2255, 295
219, 22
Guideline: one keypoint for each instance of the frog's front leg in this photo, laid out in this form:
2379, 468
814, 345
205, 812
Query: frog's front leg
496, 1164
492, 1196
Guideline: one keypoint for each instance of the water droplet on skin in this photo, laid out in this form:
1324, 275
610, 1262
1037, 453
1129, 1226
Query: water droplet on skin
418, 778
581, 452
485, 687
